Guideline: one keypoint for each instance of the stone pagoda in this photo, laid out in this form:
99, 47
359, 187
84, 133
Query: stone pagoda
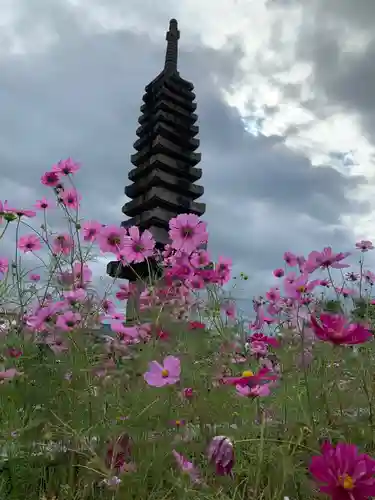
165, 163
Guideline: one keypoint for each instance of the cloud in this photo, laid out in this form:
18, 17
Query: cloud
78, 94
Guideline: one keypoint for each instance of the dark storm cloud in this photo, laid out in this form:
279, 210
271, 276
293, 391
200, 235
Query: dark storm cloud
81, 98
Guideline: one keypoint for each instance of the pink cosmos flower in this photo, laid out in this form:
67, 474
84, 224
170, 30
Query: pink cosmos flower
62, 243
187, 467
137, 247
17, 211
336, 329
66, 167
159, 375
187, 232
223, 269
258, 348
74, 297
199, 259
42, 204
29, 243
220, 453
82, 274
260, 337
8, 374
298, 286
111, 238
290, 259
51, 179
91, 230
4, 266
68, 321
343, 473
70, 198
364, 245
325, 259
34, 277
278, 273
260, 391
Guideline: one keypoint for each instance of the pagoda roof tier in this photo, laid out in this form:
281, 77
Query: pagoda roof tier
158, 177
163, 146
164, 93
164, 198
171, 84
169, 118
167, 164
157, 217
169, 107
169, 133
174, 77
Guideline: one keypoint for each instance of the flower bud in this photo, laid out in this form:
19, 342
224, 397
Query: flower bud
220, 453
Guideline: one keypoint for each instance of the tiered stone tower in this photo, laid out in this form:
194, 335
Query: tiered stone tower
166, 158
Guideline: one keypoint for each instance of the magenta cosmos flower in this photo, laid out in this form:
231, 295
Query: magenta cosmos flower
336, 329
343, 473
137, 247
29, 243
187, 232
159, 375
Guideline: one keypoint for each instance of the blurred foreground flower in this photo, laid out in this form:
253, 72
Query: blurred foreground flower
336, 329
220, 453
187, 467
342, 473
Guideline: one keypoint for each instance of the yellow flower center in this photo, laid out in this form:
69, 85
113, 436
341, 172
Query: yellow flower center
247, 373
178, 422
347, 482
301, 289
164, 373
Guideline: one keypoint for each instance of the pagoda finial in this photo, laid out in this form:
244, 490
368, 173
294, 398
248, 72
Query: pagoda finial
171, 54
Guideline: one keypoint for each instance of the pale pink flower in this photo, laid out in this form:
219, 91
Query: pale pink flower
187, 232
137, 247
91, 229
111, 239
364, 245
62, 243
29, 243
260, 391
81, 273
159, 375
68, 321
187, 467
325, 259
223, 269
290, 259
8, 374
199, 259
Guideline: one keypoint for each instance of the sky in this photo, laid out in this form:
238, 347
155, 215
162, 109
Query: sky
286, 104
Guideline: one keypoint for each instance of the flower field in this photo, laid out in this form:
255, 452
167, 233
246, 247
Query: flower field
186, 403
